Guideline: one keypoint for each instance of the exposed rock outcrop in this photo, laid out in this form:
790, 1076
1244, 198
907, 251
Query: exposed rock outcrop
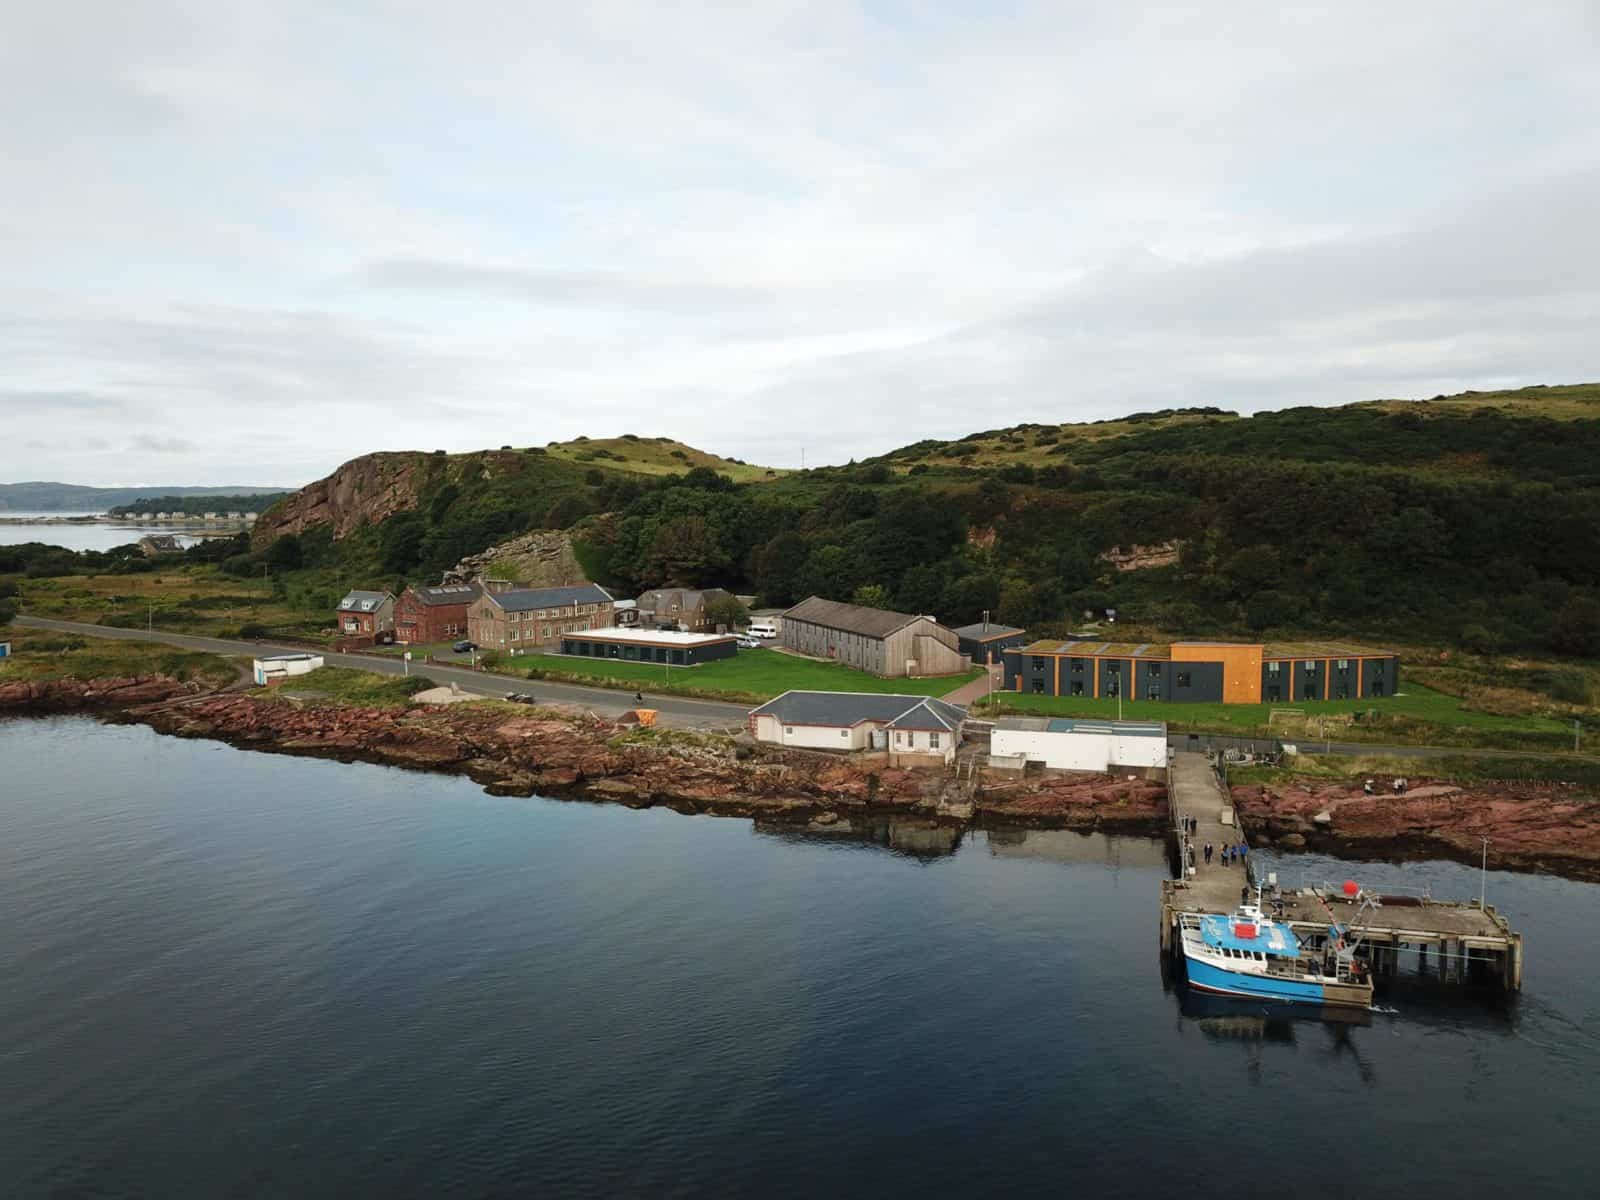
1531, 826
64, 695
542, 558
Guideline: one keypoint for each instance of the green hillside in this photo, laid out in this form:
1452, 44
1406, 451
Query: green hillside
1465, 521
654, 456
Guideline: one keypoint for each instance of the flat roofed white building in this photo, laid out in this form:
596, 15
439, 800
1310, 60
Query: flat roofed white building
1080, 745
273, 669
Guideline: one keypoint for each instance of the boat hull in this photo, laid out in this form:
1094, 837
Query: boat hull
1205, 977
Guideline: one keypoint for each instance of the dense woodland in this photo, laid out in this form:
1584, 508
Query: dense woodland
1426, 522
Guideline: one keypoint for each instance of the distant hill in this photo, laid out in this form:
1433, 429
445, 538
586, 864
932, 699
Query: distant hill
1467, 519
38, 496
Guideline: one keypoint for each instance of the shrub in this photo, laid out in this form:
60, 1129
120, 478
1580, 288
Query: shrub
680, 454
253, 629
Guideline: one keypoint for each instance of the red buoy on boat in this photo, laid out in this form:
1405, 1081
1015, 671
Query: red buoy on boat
1351, 888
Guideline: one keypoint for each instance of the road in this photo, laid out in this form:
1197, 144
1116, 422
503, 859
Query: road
674, 710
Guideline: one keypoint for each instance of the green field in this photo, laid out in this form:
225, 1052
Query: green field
752, 675
1417, 715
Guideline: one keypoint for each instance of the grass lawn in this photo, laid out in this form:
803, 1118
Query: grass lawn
42, 654
196, 600
1416, 715
346, 685
751, 675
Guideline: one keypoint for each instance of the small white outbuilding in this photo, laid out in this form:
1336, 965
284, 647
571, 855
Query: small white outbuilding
275, 668
1074, 744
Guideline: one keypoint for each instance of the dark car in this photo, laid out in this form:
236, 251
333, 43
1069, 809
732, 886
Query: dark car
520, 697
464, 647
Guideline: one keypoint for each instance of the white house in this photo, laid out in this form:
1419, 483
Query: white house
914, 730
273, 669
1079, 745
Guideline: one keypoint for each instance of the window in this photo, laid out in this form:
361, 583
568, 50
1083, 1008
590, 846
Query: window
844, 733
1274, 668
788, 728
1038, 663
933, 741
1114, 689
1274, 692
1155, 671
1077, 689
1311, 691
1077, 666
1152, 693
1038, 687
547, 633
1184, 679
1114, 668
1343, 664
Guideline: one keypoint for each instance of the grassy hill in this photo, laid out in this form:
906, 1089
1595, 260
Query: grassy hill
1467, 520
654, 456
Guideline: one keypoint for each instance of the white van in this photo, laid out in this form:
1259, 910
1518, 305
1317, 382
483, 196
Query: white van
762, 629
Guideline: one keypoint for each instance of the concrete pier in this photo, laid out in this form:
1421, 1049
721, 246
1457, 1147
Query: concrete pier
1467, 943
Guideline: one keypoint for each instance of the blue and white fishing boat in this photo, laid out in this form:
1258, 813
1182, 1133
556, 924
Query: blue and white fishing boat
1247, 954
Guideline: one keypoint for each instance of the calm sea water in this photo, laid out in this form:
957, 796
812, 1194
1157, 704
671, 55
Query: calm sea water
75, 537
248, 975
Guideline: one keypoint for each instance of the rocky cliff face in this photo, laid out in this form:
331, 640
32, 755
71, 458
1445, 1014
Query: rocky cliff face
542, 558
363, 491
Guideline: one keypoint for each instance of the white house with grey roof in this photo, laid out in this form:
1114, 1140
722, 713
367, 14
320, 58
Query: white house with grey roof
912, 730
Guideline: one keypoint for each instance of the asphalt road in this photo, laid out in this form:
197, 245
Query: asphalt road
673, 710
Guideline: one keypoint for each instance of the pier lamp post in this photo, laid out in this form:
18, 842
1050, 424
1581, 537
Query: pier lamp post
1483, 884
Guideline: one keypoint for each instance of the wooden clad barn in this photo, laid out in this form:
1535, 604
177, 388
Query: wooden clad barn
890, 644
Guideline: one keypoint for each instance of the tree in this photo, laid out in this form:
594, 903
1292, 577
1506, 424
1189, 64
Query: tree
1576, 629
830, 571
871, 595
8, 612
728, 612
285, 553
685, 553
1270, 607
400, 542
775, 568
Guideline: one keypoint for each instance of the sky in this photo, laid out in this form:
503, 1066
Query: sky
245, 242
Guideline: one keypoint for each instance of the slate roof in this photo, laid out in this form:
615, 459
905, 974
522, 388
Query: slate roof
849, 618
449, 593
526, 599
979, 632
364, 601
845, 709
687, 598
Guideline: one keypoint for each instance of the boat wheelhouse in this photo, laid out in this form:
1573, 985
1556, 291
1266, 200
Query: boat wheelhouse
1247, 954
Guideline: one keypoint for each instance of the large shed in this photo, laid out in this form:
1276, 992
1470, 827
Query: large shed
877, 640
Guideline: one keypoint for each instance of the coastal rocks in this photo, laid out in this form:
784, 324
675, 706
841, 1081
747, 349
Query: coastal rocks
47, 695
1529, 825
1079, 801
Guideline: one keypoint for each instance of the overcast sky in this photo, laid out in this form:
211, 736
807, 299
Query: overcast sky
246, 242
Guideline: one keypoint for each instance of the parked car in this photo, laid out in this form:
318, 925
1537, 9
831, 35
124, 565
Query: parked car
749, 643
464, 647
520, 697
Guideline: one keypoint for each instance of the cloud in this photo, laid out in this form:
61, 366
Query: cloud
252, 231
151, 444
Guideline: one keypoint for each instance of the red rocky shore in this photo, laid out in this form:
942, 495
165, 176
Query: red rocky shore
1530, 826
582, 756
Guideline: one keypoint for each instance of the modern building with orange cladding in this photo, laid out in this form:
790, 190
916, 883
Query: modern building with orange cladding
1202, 672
